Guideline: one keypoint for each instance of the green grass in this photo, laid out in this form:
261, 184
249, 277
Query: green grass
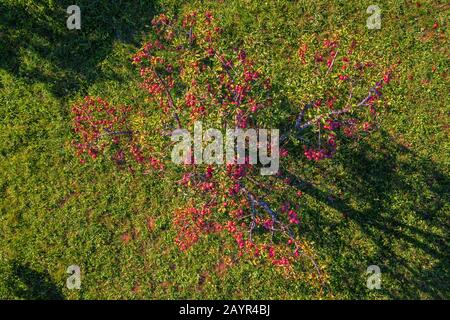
382, 201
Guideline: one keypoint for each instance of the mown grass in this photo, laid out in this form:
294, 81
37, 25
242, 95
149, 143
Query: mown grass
382, 201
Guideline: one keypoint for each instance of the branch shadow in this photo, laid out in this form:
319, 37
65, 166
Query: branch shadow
401, 210
26, 283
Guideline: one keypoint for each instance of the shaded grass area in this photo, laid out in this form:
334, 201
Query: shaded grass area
396, 204
382, 201
38, 47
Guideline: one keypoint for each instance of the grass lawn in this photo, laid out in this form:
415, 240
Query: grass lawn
382, 201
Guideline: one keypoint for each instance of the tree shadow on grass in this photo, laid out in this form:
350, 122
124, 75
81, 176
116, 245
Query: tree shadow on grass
397, 200
25, 283
67, 60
